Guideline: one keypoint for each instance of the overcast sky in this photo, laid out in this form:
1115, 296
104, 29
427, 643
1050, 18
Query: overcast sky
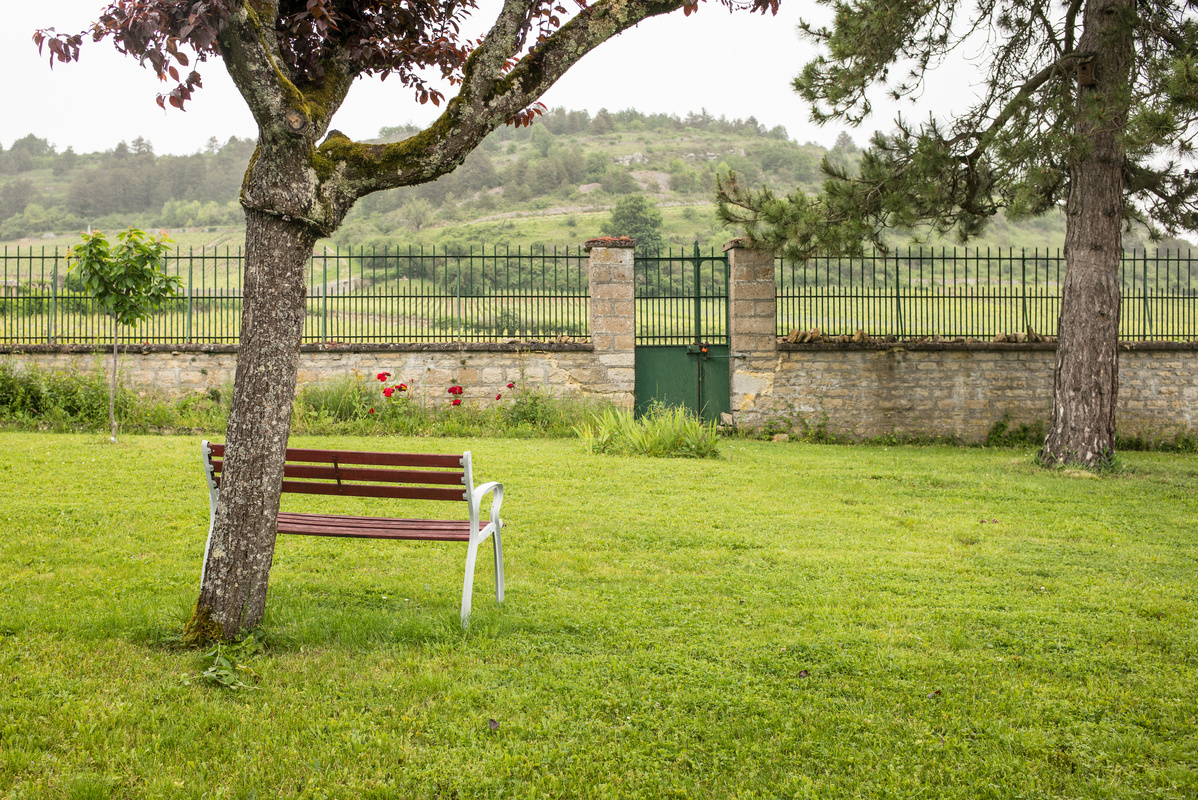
736, 65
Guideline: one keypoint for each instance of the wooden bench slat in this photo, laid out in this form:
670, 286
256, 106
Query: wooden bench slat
322, 472
369, 490
373, 527
370, 457
374, 490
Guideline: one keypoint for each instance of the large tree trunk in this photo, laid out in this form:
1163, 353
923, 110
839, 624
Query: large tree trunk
233, 592
1086, 381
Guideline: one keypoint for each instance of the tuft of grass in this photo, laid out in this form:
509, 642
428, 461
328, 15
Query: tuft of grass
663, 432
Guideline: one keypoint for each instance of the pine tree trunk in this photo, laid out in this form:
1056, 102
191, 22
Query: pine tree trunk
1086, 380
233, 593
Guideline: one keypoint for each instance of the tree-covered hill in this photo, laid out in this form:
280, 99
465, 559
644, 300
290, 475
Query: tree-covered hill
553, 183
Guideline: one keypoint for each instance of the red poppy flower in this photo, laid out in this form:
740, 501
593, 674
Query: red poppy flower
371, 411
511, 386
498, 396
388, 391
403, 387
457, 401
454, 390
382, 376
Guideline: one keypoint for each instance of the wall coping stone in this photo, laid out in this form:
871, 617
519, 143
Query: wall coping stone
393, 347
784, 346
609, 241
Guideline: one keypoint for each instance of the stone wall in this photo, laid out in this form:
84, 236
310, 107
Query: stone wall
482, 369
958, 390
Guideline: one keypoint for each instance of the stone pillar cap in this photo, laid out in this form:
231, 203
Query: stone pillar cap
609, 241
737, 244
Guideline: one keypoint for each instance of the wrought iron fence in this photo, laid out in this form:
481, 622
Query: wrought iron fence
977, 293
418, 295
354, 295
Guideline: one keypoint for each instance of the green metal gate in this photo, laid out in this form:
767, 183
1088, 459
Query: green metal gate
682, 332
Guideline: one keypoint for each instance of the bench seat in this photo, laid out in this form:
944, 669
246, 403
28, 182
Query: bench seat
428, 530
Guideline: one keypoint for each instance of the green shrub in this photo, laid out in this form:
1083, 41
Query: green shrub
355, 405
1022, 435
664, 432
68, 399
343, 400
1181, 442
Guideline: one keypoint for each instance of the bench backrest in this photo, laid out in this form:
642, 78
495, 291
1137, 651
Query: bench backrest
351, 473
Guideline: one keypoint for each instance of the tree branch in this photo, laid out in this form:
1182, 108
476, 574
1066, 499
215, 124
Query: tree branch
489, 96
253, 61
281, 108
1013, 106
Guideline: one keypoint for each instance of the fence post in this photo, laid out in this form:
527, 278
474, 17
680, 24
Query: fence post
1147, 307
190, 290
611, 277
752, 331
324, 296
53, 293
457, 297
1023, 286
898, 296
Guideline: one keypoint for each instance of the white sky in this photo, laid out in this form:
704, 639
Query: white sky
736, 65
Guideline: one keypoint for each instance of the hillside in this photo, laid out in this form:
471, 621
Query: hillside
552, 184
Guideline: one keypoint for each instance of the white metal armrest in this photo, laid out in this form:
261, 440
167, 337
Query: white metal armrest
476, 498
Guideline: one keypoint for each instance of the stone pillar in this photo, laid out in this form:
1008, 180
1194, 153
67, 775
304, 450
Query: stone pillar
613, 318
752, 331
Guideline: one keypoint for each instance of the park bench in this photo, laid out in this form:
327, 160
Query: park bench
416, 476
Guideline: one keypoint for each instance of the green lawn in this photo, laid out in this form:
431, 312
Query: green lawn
789, 620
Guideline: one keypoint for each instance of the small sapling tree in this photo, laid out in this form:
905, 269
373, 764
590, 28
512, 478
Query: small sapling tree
127, 280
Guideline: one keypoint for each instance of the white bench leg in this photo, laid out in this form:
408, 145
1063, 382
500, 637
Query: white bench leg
468, 583
498, 566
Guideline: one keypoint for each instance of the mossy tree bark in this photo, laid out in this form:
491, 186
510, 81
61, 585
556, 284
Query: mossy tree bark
1086, 380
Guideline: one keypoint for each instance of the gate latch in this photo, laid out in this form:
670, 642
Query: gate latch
697, 349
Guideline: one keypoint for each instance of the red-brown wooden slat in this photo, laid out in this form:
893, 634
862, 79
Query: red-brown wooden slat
321, 472
371, 490
368, 521
376, 475
445, 460
375, 459
373, 527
